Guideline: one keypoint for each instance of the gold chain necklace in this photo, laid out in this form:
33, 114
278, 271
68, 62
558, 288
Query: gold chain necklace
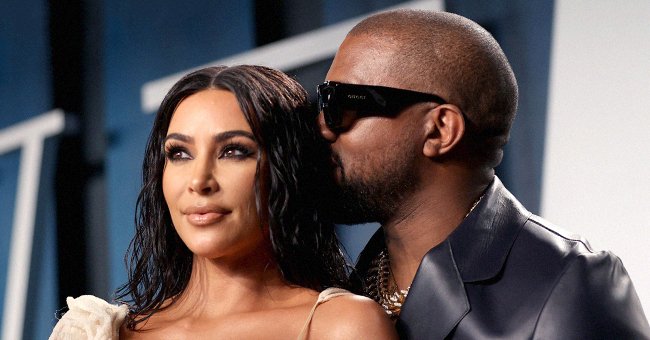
390, 296
474, 205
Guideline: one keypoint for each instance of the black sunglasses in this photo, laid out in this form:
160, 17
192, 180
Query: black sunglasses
343, 103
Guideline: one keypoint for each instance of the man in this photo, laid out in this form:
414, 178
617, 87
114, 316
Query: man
417, 107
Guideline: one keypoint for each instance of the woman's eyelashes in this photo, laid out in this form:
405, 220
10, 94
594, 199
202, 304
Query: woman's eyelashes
176, 153
232, 150
236, 151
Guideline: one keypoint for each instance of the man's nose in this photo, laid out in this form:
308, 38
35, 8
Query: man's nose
325, 131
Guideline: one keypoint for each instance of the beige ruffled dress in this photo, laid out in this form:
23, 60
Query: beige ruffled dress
91, 318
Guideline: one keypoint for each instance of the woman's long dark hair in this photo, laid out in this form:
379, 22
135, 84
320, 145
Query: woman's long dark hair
305, 246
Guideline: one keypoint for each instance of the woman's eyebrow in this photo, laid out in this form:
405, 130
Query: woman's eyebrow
220, 137
179, 136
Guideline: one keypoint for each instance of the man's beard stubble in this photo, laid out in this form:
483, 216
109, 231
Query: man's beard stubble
377, 195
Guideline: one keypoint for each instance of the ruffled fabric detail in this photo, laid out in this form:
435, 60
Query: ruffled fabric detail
89, 317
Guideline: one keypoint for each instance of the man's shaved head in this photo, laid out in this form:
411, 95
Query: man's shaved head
449, 55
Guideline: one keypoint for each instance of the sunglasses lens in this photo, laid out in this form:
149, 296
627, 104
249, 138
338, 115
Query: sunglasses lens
327, 104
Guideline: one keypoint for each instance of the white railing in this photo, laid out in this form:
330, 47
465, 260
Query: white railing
28, 136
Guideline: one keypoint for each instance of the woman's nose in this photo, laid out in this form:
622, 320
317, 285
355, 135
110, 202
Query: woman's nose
203, 179
325, 131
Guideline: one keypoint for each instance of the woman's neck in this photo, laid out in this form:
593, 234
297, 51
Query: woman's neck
226, 286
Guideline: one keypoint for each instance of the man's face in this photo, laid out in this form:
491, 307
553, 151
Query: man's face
374, 156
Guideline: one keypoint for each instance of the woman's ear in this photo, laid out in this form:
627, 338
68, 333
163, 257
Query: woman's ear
445, 127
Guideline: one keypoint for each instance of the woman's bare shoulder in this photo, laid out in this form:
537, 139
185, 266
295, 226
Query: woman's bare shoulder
351, 317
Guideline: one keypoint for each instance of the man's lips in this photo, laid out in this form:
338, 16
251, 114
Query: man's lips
336, 160
337, 168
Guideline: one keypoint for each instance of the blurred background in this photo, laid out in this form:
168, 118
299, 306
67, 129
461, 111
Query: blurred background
79, 81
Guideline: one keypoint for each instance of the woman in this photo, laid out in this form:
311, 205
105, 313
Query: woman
230, 239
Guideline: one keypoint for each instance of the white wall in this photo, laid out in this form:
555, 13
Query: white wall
596, 178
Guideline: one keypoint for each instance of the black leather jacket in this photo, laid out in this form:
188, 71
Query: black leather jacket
505, 273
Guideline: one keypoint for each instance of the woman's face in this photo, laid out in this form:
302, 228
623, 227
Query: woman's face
209, 176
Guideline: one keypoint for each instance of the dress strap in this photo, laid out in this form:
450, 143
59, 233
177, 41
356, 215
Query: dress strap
323, 297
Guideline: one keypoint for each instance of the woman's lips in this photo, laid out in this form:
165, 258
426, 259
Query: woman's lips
205, 215
202, 219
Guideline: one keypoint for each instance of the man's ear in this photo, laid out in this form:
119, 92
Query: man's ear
445, 127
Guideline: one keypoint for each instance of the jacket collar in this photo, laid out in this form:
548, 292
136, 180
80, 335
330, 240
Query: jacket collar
483, 240
480, 243
475, 251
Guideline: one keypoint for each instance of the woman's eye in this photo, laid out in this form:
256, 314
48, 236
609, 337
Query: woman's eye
176, 153
236, 152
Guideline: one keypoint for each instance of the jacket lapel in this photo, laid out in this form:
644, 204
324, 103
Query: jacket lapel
475, 251
436, 300
482, 242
